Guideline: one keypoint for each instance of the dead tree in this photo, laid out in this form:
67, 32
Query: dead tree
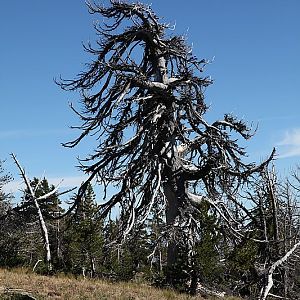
275, 225
35, 200
269, 284
143, 100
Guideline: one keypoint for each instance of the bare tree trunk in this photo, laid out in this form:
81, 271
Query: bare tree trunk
42, 223
93, 267
35, 265
58, 238
171, 214
44, 233
271, 183
266, 289
118, 254
35, 201
160, 260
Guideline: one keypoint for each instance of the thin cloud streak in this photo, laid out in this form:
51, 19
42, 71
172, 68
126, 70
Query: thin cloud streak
26, 133
275, 118
68, 182
290, 144
293, 152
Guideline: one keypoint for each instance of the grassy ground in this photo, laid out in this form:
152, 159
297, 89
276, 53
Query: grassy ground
58, 287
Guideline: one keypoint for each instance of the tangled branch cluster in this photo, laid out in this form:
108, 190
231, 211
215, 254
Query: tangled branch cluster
143, 99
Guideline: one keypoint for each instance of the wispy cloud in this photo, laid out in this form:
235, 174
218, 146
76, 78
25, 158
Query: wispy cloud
275, 118
289, 146
25, 133
68, 182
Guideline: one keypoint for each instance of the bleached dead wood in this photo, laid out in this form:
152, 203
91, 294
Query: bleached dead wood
148, 116
266, 289
35, 200
36, 264
209, 292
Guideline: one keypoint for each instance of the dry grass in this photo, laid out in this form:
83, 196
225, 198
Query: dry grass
43, 287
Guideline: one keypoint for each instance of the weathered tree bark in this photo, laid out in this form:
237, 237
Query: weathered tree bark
36, 264
44, 233
266, 289
171, 215
273, 199
42, 223
142, 110
35, 200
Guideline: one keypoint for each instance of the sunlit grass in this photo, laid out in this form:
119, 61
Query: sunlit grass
66, 287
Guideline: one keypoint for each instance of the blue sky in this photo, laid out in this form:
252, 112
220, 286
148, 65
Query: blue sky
256, 71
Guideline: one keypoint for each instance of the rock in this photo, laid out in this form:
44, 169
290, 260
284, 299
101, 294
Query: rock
20, 296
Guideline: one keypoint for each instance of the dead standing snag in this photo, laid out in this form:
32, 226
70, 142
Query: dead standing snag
33, 199
142, 98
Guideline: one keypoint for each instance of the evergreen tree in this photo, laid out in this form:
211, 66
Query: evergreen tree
10, 233
84, 237
4, 197
207, 254
158, 241
125, 259
50, 207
